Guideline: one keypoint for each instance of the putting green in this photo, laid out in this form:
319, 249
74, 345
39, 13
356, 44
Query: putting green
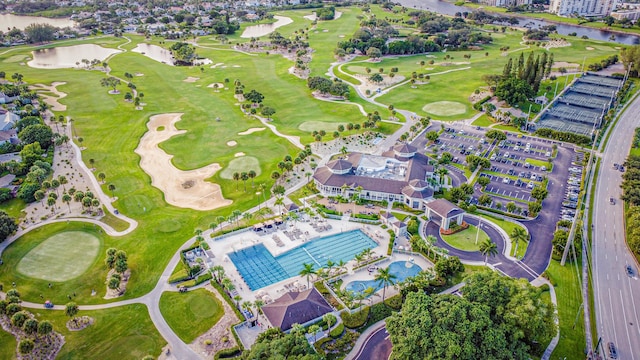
62, 257
329, 127
445, 108
244, 163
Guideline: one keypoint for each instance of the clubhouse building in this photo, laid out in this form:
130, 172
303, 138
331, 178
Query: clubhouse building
400, 174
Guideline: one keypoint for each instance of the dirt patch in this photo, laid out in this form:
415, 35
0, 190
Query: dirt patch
191, 79
115, 293
79, 323
51, 100
474, 98
387, 81
219, 336
239, 154
202, 195
232, 143
556, 43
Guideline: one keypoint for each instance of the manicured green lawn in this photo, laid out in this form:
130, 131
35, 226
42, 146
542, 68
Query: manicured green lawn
466, 239
62, 257
7, 345
190, 314
536, 162
508, 227
121, 333
572, 339
13, 208
483, 120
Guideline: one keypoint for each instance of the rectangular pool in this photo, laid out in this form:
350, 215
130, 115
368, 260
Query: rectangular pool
259, 268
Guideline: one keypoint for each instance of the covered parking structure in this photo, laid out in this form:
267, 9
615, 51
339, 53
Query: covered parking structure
445, 211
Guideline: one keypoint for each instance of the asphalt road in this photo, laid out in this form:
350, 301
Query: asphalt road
617, 296
377, 346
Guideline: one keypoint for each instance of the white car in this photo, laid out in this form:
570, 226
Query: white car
516, 148
530, 186
493, 157
506, 154
547, 154
505, 180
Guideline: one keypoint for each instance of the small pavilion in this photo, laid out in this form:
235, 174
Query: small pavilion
445, 210
296, 308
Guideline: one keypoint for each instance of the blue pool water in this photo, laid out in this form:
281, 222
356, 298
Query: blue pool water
398, 268
259, 268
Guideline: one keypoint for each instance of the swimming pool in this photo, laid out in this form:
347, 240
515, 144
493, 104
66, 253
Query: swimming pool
260, 268
398, 268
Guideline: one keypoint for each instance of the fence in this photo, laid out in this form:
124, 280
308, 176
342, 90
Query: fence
235, 232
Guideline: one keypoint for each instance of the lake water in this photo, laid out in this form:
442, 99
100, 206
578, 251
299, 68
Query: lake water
446, 8
163, 55
155, 52
67, 56
9, 21
265, 29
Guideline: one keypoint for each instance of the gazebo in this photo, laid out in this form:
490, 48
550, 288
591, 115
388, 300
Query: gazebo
445, 210
296, 308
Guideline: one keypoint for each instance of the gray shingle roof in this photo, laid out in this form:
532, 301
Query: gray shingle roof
339, 164
444, 207
296, 308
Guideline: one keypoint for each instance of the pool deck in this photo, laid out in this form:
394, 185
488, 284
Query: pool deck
221, 248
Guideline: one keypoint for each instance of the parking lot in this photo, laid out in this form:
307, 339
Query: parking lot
518, 164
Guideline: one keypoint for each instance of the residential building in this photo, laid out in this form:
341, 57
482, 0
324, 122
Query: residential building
401, 174
7, 120
586, 8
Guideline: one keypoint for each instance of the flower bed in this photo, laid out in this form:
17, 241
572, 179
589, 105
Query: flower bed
454, 230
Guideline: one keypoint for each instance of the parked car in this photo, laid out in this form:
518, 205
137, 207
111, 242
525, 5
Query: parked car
505, 180
531, 185
630, 272
612, 201
548, 154
613, 353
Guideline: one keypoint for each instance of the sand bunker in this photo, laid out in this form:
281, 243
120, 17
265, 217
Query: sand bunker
185, 189
231, 143
590, 48
191, 79
556, 43
250, 131
213, 85
239, 154
139, 74
216, 65
48, 99
235, 66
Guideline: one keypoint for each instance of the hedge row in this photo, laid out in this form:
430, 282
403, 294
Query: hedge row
355, 320
180, 276
478, 105
228, 353
204, 277
496, 211
392, 240
337, 331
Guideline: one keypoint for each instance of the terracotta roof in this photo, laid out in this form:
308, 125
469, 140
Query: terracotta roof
339, 164
443, 207
296, 308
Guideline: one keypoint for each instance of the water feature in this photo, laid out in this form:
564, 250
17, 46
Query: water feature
401, 269
260, 268
155, 52
255, 31
21, 22
68, 56
446, 8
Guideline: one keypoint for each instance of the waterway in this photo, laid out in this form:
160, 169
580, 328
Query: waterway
68, 56
255, 31
446, 8
10, 21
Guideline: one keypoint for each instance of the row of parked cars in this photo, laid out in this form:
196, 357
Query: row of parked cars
571, 193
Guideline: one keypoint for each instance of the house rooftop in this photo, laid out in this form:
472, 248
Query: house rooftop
296, 308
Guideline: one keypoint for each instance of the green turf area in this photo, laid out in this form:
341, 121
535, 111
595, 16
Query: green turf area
302, 193
483, 120
536, 162
121, 333
445, 108
13, 207
7, 345
240, 165
466, 239
567, 286
61, 257
508, 227
192, 313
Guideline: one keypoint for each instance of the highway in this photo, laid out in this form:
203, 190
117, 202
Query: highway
617, 296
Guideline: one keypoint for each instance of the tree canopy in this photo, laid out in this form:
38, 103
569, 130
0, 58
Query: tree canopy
274, 344
183, 53
39, 33
497, 318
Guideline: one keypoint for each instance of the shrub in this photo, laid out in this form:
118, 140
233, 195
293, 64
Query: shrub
228, 353
379, 312
204, 277
355, 320
478, 106
179, 276
190, 283
337, 331
394, 302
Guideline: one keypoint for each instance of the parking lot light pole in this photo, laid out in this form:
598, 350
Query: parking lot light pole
478, 230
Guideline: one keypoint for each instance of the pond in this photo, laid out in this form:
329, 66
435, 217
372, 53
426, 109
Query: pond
21, 22
163, 55
255, 31
69, 56
446, 8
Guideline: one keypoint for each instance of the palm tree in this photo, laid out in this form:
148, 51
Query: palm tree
263, 188
297, 328
279, 202
258, 304
66, 198
313, 329
244, 176
247, 217
385, 278
218, 273
236, 177
430, 242
246, 306
330, 265
367, 253
517, 235
488, 248
237, 299
111, 188
252, 174
220, 219
441, 173
63, 180
236, 215
71, 310
307, 272
341, 265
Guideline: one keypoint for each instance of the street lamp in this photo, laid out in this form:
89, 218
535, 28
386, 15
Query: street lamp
478, 230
